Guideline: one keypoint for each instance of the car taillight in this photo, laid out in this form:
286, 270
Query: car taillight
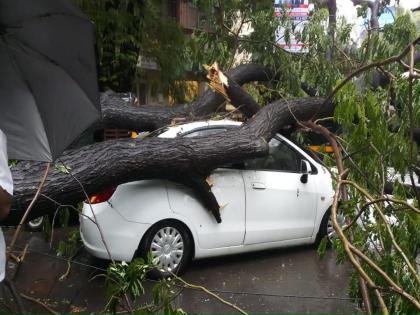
103, 196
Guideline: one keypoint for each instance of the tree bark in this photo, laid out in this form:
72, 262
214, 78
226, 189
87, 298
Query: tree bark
120, 114
374, 12
332, 23
187, 160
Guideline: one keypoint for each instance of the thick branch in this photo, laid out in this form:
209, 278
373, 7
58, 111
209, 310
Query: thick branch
111, 163
231, 91
242, 74
332, 22
121, 114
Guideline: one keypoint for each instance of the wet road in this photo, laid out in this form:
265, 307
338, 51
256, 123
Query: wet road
291, 280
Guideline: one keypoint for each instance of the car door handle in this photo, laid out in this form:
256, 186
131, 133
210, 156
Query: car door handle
258, 186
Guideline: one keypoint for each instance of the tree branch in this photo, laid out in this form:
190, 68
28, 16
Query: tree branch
105, 164
368, 67
120, 114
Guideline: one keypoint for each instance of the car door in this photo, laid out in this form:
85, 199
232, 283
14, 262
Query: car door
279, 206
228, 187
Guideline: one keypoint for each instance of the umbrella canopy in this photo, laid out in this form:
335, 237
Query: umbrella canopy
48, 82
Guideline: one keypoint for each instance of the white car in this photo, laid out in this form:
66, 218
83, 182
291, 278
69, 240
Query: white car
279, 200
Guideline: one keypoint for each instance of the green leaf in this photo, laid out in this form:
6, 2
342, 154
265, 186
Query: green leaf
322, 247
61, 168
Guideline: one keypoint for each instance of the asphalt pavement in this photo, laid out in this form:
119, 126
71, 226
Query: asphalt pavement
293, 280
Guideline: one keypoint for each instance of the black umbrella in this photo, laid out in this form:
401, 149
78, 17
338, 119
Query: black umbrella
48, 82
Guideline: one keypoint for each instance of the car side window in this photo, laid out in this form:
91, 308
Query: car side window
281, 157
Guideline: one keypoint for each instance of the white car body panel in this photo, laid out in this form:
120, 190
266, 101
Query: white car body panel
141, 201
252, 219
175, 131
279, 206
122, 237
232, 250
228, 187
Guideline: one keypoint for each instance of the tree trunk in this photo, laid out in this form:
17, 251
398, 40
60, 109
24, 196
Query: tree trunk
102, 165
374, 12
332, 23
120, 114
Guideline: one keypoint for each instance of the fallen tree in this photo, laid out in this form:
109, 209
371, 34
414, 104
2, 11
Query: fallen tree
367, 141
149, 158
106, 164
102, 165
121, 114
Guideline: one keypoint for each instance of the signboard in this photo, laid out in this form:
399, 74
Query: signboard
147, 63
298, 12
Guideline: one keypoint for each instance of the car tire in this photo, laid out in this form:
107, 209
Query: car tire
35, 225
326, 228
170, 245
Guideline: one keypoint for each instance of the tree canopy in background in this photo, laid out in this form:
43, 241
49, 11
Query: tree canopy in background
124, 29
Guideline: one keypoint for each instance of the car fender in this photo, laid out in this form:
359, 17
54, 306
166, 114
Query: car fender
147, 197
151, 199
326, 196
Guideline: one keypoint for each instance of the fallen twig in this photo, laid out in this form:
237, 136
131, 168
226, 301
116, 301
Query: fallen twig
69, 260
11, 286
198, 287
49, 309
28, 210
391, 234
350, 255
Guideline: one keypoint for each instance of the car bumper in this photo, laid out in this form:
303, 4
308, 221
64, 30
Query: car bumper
122, 237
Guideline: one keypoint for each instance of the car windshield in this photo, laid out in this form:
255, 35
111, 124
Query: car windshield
158, 132
207, 131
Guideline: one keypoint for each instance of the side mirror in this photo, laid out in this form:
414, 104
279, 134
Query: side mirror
305, 167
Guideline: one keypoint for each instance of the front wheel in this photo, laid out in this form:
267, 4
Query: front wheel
326, 228
330, 232
35, 225
170, 246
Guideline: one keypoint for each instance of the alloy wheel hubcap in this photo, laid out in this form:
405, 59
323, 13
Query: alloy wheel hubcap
330, 227
330, 230
167, 249
36, 222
